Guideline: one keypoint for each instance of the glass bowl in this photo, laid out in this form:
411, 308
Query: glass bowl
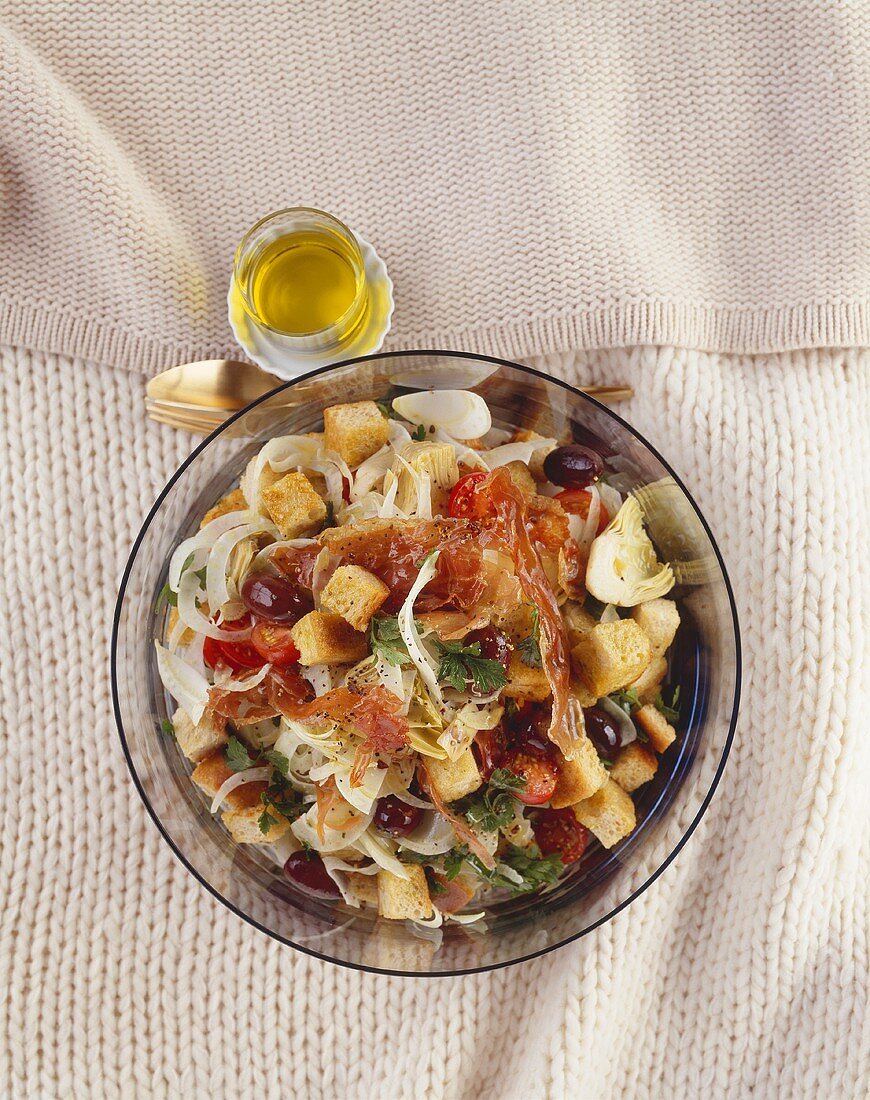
705, 662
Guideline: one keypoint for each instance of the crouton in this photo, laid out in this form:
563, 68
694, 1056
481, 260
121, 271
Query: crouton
244, 825
452, 779
584, 697
634, 766
186, 636
294, 505
611, 655
536, 462
658, 619
323, 638
579, 778
356, 431
404, 899
609, 814
253, 490
521, 476
197, 741
438, 460
649, 683
232, 502
355, 594
658, 729
213, 771
578, 621
525, 682
363, 888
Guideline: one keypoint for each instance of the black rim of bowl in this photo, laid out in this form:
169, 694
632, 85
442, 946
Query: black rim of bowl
735, 706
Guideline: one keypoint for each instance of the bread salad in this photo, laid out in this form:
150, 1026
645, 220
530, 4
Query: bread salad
420, 657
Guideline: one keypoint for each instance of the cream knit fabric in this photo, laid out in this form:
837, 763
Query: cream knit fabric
742, 972
539, 175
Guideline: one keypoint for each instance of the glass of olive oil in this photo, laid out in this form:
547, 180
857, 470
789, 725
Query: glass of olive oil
301, 274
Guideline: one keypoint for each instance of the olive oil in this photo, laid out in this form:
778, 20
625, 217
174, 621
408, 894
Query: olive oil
303, 283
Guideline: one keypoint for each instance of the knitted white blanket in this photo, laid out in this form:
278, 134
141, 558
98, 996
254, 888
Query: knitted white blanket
742, 972
538, 174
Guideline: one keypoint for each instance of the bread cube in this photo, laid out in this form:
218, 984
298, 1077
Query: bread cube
294, 505
658, 729
521, 476
325, 639
186, 636
404, 899
578, 621
438, 460
634, 766
355, 431
355, 594
579, 778
536, 462
213, 771
525, 682
453, 779
363, 888
197, 741
244, 825
609, 814
658, 619
611, 655
232, 502
649, 683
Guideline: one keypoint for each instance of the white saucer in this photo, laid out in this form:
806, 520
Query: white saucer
268, 352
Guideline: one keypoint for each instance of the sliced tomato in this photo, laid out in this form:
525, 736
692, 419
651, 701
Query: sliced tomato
212, 653
345, 489
240, 656
463, 502
560, 831
578, 501
540, 772
273, 643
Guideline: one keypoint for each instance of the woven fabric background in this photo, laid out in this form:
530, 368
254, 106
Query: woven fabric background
742, 973
538, 174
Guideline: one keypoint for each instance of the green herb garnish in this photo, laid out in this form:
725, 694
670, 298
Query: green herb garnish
671, 710
278, 761
530, 648
383, 409
627, 699
167, 727
237, 756
385, 640
535, 870
461, 663
507, 780
453, 861
419, 433
494, 807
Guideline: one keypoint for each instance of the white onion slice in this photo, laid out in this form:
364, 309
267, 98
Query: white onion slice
238, 779
382, 852
226, 682
514, 452
203, 540
187, 686
465, 918
410, 634
433, 836
459, 412
305, 829
216, 587
319, 677
371, 471
191, 616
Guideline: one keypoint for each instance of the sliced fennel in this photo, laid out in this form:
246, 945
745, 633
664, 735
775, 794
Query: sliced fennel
425, 663
623, 568
459, 412
186, 686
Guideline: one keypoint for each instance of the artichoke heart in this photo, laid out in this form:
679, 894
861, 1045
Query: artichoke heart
623, 568
438, 460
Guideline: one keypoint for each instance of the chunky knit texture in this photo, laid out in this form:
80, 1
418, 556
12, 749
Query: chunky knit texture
539, 175
742, 972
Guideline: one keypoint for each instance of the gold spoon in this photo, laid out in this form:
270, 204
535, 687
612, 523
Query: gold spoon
200, 396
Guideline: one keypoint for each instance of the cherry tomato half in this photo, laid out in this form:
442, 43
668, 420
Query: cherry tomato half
240, 656
578, 501
540, 772
462, 503
274, 644
560, 831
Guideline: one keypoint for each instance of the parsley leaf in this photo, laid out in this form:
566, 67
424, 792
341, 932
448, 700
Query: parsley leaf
461, 663
167, 727
164, 597
385, 640
535, 870
507, 780
383, 409
671, 710
266, 821
329, 518
530, 648
278, 761
419, 433
627, 699
237, 756
453, 862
